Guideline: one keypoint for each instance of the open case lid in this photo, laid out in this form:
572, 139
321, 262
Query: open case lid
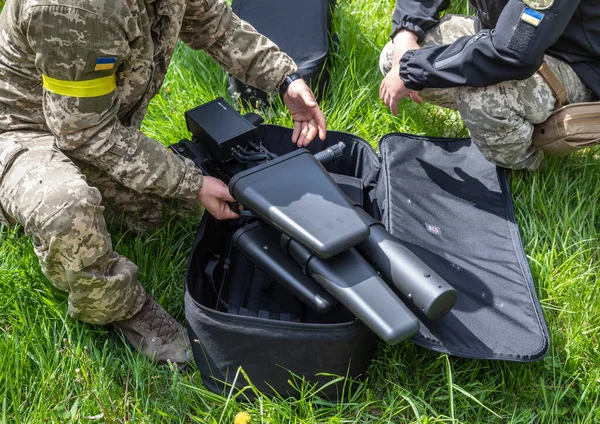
453, 209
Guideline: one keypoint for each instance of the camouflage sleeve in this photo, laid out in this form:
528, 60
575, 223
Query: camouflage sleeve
79, 54
234, 44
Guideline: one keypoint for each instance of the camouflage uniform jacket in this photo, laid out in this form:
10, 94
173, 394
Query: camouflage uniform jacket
85, 70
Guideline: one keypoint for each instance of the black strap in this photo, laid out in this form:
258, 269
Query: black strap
238, 286
255, 291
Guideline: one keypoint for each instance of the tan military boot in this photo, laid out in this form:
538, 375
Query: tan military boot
157, 335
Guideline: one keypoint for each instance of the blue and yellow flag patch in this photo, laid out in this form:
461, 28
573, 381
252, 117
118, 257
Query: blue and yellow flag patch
105, 63
532, 17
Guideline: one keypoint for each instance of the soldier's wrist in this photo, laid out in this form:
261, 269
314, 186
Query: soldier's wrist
287, 81
404, 36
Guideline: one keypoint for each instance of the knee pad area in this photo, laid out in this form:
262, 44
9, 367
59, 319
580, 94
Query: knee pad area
69, 222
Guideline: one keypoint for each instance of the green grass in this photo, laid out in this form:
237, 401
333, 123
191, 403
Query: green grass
55, 369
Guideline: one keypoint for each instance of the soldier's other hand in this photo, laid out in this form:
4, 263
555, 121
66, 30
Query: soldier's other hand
392, 90
214, 196
308, 118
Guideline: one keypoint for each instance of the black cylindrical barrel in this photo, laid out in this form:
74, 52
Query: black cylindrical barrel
414, 279
356, 285
330, 154
260, 243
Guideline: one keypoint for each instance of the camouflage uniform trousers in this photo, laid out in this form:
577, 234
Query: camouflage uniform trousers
62, 207
500, 118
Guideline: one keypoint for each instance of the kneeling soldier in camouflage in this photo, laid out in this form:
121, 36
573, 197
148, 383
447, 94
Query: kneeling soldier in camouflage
76, 77
487, 67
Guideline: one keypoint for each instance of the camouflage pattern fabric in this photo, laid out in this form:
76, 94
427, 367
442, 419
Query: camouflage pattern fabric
500, 118
539, 4
126, 209
62, 214
76, 78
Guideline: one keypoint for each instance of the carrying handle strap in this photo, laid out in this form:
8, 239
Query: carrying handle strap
557, 87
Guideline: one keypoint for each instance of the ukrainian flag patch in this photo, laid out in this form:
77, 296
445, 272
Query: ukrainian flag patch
105, 63
532, 17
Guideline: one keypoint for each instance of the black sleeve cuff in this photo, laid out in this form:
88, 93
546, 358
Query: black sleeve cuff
405, 74
408, 26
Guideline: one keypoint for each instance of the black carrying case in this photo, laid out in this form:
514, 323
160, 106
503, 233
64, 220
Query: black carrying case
449, 205
299, 29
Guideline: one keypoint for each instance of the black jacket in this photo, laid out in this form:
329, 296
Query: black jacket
506, 47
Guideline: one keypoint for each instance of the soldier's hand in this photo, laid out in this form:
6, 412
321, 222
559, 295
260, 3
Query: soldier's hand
308, 118
392, 90
214, 196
